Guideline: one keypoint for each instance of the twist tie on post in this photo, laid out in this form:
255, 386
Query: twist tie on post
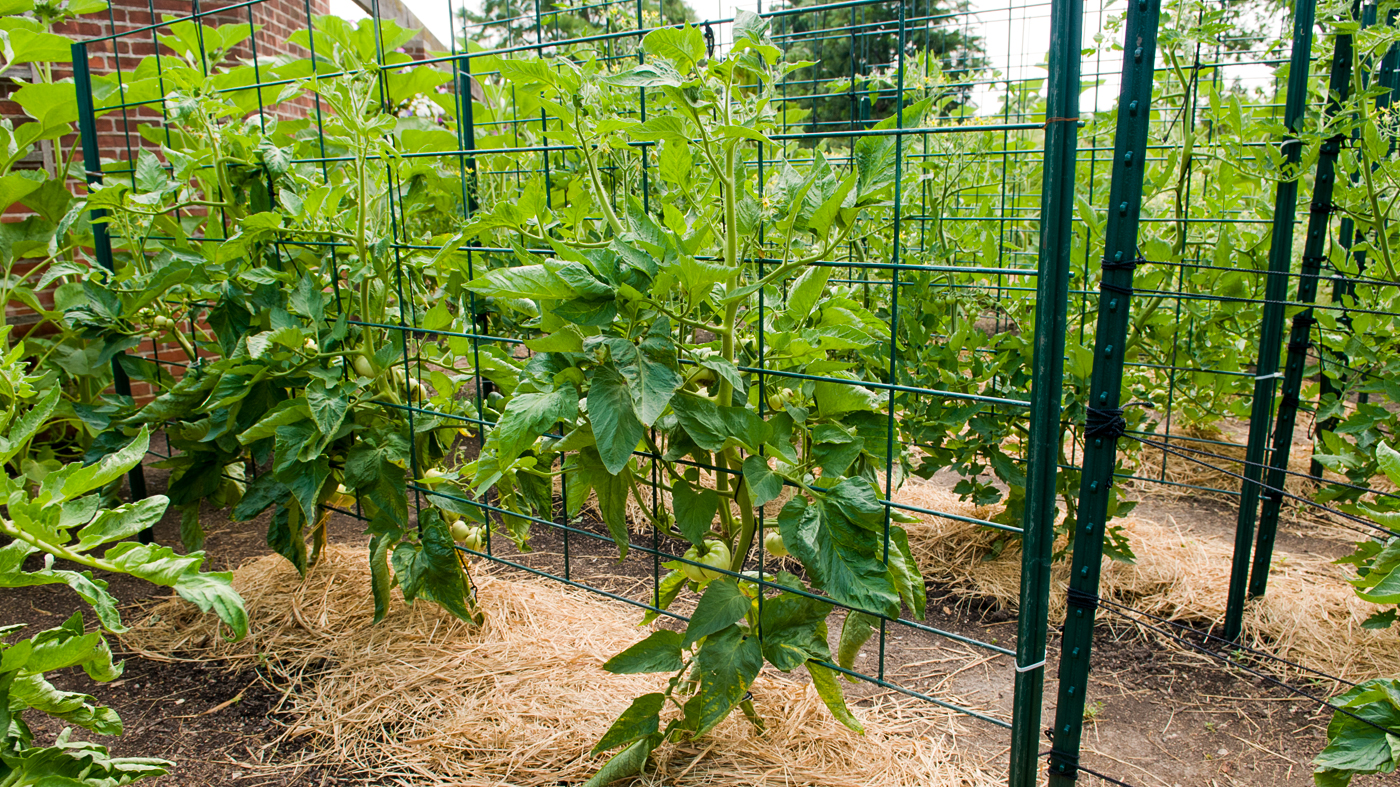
1064, 763
1259, 377
1105, 422
1122, 265
1118, 263
1082, 600
709, 40
1030, 667
1299, 347
1048, 121
1321, 207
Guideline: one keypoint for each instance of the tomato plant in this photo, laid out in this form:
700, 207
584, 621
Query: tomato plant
646, 333
66, 517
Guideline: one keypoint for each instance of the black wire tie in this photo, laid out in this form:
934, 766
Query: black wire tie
1105, 422
1118, 264
1064, 763
1081, 600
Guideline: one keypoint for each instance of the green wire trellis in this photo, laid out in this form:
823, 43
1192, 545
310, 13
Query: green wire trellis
1038, 266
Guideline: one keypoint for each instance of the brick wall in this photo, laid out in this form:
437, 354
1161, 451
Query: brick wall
118, 132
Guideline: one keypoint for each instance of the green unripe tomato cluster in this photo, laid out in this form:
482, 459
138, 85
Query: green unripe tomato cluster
715, 554
779, 398
470, 536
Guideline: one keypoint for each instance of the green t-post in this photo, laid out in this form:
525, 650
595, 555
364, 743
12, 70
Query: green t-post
1105, 417
1271, 329
1343, 288
1300, 336
1047, 382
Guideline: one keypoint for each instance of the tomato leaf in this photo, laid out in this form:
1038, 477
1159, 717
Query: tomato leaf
641, 719
720, 607
615, 424
764, 485
431, 570
839, 556
659, 652
824, 680
727, 664
794, 630
695, 510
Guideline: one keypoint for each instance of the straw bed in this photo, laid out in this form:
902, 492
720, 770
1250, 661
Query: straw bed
1310, 615
424, 699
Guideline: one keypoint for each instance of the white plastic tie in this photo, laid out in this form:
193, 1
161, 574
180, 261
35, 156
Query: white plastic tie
1268, 376
1030, 667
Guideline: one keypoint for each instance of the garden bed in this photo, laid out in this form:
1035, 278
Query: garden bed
1162, 714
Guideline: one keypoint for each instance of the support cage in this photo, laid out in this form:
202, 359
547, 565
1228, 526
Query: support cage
1095, 231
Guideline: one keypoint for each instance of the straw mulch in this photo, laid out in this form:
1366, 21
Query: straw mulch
424, 699
1200, 467
1309, 615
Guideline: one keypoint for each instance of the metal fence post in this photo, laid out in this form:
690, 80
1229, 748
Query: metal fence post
101, 241
1299, 338
1105, 419
1047, 382
1271, 328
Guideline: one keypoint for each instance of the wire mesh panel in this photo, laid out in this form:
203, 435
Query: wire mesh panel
862, 314
587, 294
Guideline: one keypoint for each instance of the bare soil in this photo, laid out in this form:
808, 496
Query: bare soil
1160, 713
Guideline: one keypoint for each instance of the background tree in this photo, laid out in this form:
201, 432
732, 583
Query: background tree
857, 48
502, 23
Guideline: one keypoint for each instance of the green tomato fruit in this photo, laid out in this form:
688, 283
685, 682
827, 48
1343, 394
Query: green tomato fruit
363, 367
472, 537
693, 573
476, 539
779, 398
460, 531
716, 556
773, 542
